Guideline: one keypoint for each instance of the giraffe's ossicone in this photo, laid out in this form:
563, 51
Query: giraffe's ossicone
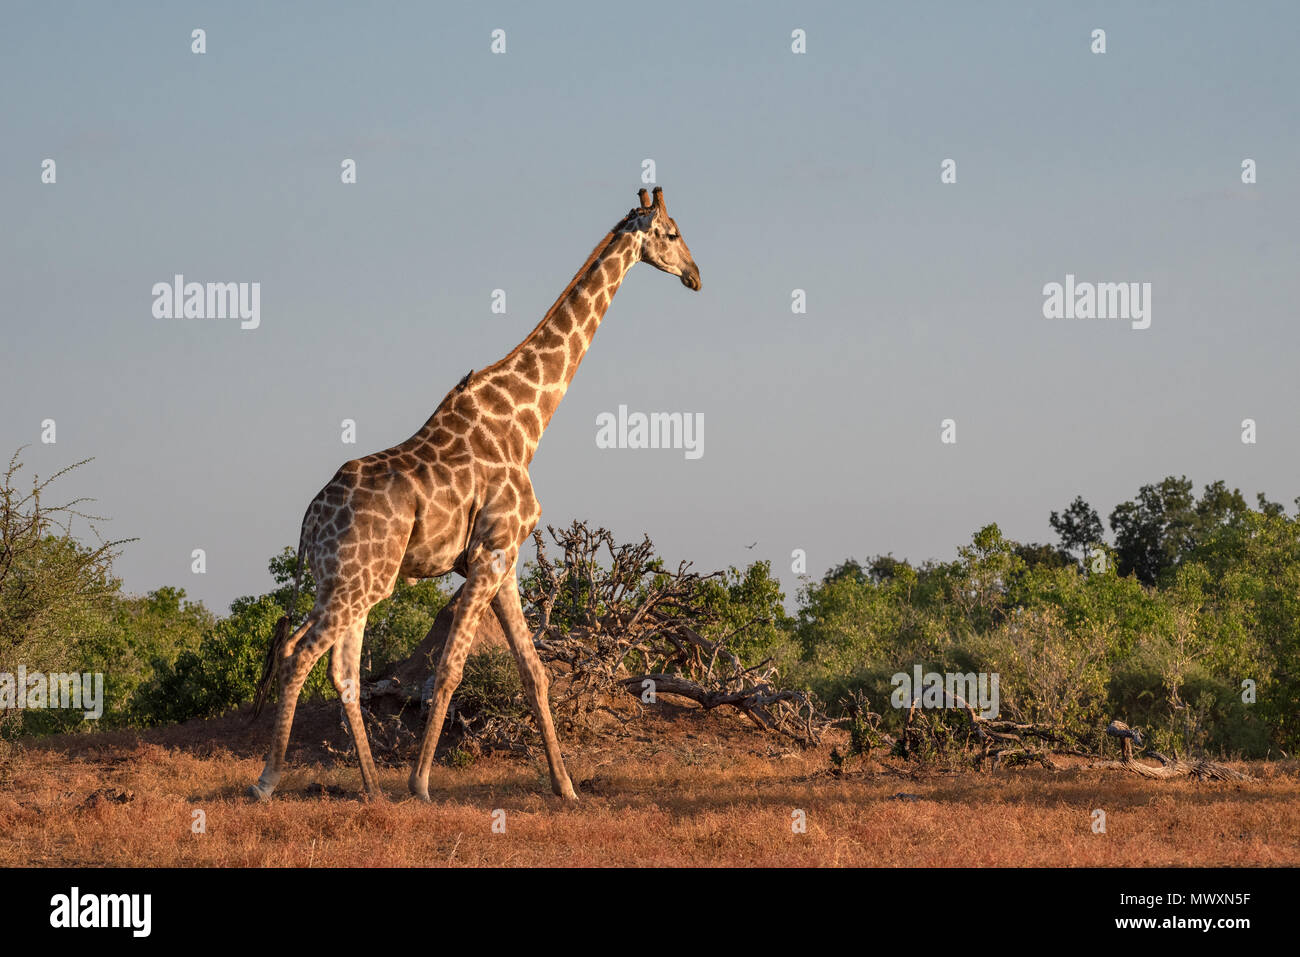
455, 496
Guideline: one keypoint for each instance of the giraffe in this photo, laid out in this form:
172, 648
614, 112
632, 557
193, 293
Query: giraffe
455, 496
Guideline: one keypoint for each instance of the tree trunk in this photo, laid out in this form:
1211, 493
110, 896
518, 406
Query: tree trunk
415, 669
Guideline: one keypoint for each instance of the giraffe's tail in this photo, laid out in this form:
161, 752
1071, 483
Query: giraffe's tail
282, 635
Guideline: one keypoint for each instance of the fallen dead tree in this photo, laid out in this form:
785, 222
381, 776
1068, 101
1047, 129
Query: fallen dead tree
1175, 767
929, 734
1002, 742
630, 624
617, 632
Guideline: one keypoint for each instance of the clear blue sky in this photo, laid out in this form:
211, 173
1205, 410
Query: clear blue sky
816, 171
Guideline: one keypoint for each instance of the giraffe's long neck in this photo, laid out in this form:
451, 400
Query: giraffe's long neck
543, 365
513, 399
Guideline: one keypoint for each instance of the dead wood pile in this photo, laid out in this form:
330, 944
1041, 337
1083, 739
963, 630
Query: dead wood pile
617, 631
928, 734
1175, 767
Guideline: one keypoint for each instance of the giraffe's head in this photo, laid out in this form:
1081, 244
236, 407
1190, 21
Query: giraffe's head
662, 245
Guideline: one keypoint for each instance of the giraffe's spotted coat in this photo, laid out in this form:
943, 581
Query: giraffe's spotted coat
456, 496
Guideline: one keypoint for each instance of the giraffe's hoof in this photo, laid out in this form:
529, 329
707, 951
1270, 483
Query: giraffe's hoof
419, 791
567, 794
257, 794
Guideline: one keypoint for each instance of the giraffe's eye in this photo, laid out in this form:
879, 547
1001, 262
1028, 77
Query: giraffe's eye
672, 235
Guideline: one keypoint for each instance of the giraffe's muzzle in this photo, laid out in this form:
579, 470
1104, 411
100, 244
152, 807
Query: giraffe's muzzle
691, 277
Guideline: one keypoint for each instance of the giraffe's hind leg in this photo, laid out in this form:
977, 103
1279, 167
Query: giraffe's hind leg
299, 658
345, 670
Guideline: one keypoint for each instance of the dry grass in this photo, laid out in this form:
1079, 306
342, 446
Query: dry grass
681, 789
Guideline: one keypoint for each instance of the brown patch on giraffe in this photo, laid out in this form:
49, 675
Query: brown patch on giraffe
462, 481
553, 365
509, 498
564, 322
552, 340
520, 392
456, 421
458, 455
515, 443
441, 436
495, 401
484, 445
372, 528
531, 423
546, 404
528, 367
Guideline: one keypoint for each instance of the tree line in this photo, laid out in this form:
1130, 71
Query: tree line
1184, 621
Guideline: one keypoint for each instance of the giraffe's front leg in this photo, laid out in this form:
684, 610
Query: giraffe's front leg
532, 674
486, 570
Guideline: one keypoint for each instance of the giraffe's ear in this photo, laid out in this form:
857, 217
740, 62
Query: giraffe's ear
645, 198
